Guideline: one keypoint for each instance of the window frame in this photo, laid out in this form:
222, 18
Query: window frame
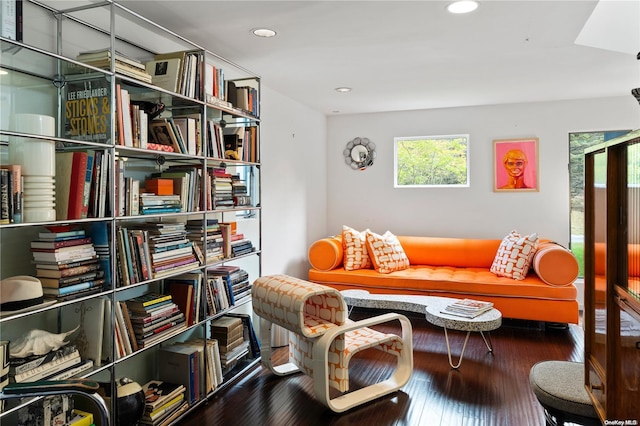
396, 140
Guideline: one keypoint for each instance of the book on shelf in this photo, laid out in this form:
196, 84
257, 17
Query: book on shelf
164, 410
60, 233
80, 253
71, 172
148, 301
76, 294
180, 364
162, 132
74, 288
185, 291
162, 335
468, 308
153, 315
51, 245
22, 365
69, 264
165, 73
93, 266
158, 393
48, 369
249, 333
170, 417
125, 65
158, 326
73, 371
123, 332
87, 107
70, 280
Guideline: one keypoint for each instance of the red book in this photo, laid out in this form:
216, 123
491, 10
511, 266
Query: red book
182, 295
71, 171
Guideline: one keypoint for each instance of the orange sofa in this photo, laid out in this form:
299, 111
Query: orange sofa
458, 267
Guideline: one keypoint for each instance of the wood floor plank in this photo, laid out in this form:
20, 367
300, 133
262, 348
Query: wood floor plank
487, 390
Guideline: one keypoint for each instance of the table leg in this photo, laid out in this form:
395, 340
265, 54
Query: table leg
446, 336
489, 343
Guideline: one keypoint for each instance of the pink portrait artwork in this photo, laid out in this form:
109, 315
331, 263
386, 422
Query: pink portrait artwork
516, 165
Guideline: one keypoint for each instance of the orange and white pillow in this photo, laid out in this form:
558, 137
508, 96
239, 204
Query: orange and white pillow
386, 252
355, 255
514, 255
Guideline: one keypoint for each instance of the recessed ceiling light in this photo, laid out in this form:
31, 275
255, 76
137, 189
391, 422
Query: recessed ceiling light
463, 6
343, 89
263, 32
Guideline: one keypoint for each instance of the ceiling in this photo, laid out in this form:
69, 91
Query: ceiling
403, 55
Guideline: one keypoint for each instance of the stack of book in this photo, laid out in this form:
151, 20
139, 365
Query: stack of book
158, 204
154, 250
229, 332
60, 364
213, 245
222, 189
181, 364
67, 264
217, 295
153, 317
164, 402
236, 280
123, 64
185, 292
241, 196
468, 308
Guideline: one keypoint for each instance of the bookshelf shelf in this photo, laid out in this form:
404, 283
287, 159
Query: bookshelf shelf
96, 124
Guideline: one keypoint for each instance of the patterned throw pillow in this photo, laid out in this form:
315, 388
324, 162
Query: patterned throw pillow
354, 249
514, 255
386, 252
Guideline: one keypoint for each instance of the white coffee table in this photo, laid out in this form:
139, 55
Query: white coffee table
431, 306
487, 321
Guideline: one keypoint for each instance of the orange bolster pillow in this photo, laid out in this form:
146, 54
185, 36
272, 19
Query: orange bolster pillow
326, 254
555, 265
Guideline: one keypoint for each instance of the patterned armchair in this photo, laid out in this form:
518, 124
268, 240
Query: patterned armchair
323, 340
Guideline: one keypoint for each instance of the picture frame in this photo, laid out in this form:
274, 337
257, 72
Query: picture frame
515, 165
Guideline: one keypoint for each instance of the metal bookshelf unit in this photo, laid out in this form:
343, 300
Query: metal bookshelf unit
84, 113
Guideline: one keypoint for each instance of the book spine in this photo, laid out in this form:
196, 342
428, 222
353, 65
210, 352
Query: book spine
4, 196
49, 368
76, 186
86, 192
73, 371
15, 171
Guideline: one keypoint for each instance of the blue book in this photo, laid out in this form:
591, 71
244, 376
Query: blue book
72, 288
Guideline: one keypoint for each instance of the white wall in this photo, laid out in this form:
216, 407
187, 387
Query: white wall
367, 199
294, 176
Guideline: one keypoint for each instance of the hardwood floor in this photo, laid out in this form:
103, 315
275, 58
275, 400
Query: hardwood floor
487, 390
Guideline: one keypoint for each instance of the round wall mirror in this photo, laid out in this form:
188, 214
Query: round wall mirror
359, 153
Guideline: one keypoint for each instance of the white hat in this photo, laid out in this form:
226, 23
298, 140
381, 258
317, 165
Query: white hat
21, 293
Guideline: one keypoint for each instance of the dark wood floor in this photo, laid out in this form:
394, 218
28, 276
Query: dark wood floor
487, 390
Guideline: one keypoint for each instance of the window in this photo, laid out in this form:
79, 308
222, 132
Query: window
425, 161
578, 142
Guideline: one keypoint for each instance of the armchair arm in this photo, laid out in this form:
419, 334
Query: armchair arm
84, 387
321, 367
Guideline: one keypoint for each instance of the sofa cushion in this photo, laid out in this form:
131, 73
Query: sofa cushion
514, 255
355, 249
325, 254
386, 252
555, 265
458, 252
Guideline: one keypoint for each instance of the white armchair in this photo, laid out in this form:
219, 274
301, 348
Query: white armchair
323, 340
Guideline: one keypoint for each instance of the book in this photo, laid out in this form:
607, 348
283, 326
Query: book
158, 393
78, 254
61, 291
164, 410
468, 308
129, 325
66, 264
68, 272
180, 364
22, 365
60, 243
147, 301
87, 109
188, 128
81, 418
71, 280
60, 233
71, 170
165, 73
48, 369
73, 371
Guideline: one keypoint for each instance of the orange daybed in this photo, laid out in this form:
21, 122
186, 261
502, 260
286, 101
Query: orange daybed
458, 267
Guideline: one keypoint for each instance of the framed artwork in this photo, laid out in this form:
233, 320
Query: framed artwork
515, 165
